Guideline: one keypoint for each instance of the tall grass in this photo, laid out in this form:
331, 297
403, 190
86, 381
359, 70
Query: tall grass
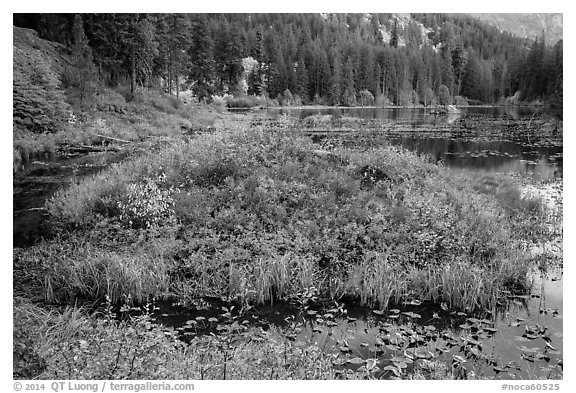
72, 345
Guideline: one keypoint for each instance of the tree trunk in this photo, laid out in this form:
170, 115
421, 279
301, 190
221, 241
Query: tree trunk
177, 88
133, 69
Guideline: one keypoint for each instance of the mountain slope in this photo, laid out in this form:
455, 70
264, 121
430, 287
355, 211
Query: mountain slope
528, 25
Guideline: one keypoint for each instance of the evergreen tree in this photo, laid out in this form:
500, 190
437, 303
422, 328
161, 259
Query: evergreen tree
302, 80
139, 47
82, 76
336, 78
394, 35
201, 73
299, 51
234, 53
458, 66
349, 94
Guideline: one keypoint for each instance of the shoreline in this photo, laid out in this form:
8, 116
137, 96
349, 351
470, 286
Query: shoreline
321, 107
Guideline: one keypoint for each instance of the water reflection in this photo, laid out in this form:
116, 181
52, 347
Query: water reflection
544, 163
410, 114
492, 342
502, 139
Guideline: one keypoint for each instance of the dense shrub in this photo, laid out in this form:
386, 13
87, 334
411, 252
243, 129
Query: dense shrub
39, 103
243, 101
262, 214
366, 98
145, 204
460, 101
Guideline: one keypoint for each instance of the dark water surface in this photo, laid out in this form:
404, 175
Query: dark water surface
523, 339
498, 139
39, 180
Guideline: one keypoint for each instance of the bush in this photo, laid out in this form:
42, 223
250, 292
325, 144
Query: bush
382, 100
242, 102
287, 99
460, 101
444, 96
349, 98
366, 98
147, 205
39, 103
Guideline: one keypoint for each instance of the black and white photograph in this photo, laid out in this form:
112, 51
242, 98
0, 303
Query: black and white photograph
287, 196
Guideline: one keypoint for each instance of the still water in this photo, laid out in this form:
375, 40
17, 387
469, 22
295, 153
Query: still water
497, 139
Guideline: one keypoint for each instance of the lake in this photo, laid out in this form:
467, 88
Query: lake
497, 139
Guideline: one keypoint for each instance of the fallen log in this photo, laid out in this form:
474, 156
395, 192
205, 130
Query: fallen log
112, 139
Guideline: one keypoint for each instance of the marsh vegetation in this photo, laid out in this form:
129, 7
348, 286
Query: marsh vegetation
253, 215
165, 238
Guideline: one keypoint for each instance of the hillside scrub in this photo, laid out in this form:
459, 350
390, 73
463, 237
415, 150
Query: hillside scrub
48, 116
258, 215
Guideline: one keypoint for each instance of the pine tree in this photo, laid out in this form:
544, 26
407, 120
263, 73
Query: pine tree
394, 35
458, 66
302, 80
335, 78
139, 46
234, 53
201, 73
82, 75
349, 95
178, 42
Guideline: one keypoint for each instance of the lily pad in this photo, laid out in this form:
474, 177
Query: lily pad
371, 364
355, 361
345, 349
393, 369
378, 312
400, 365
422, 354
548, 345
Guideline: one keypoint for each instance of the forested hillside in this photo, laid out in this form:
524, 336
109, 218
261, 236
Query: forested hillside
528, 25
333, 59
